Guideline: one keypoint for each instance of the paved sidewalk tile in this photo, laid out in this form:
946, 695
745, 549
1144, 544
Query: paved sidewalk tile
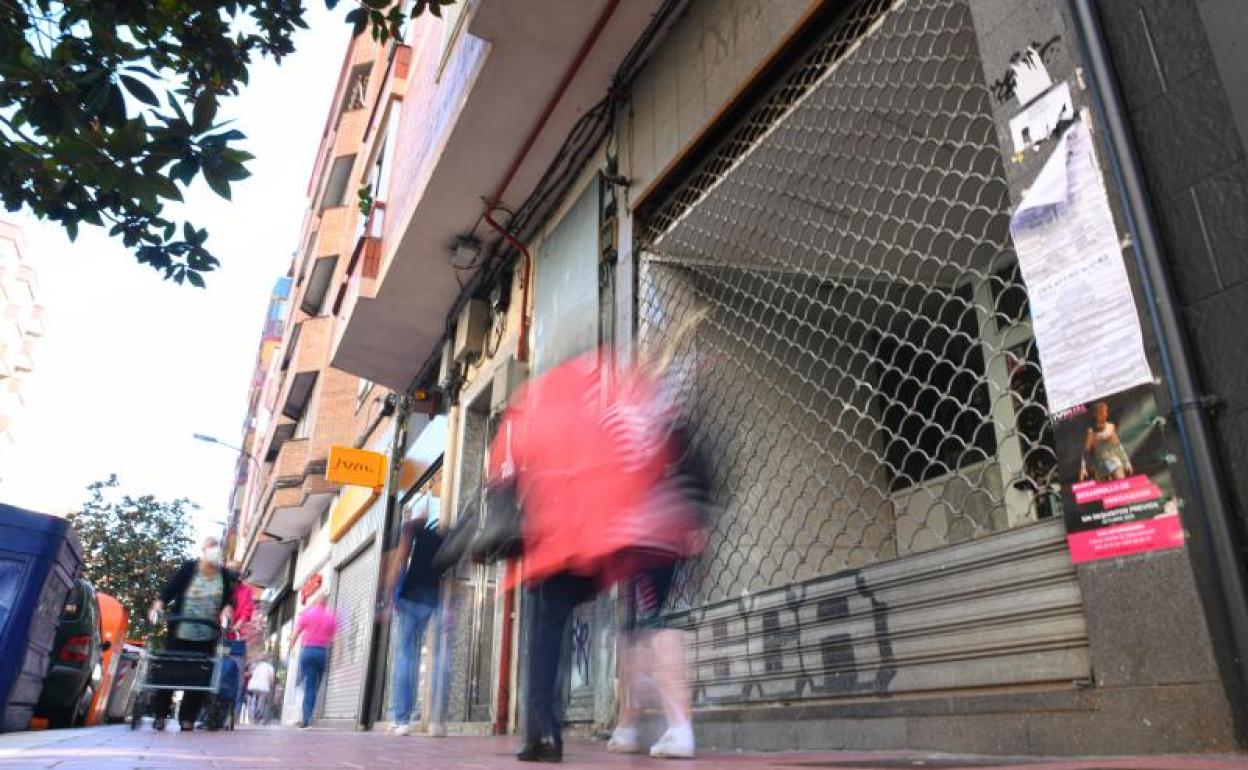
118, 748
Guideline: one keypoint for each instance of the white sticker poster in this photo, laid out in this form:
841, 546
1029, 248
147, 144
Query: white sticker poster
1082, 309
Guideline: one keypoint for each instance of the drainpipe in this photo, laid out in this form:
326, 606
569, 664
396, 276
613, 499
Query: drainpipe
502, 701
370, 700
526, 276
581, 54
1210, 515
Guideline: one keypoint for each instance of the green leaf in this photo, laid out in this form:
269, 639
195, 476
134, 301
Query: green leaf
139, 90
71, 229
165, 187
219, 184
185, 170
205, 111
358, 19
228, 136
142, 71
237, 156
74, 150
131, 138
331, 4
195, 279
176, 106
233, 171
114, 112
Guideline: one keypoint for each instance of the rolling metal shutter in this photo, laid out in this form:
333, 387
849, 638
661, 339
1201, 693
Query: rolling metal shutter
864, 383
353, 601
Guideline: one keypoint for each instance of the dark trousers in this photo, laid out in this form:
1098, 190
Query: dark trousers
554, 601
192, 701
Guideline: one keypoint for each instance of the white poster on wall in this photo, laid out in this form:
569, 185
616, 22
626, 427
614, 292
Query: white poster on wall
1083, 313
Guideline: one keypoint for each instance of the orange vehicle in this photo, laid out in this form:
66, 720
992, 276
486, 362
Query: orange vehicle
113, 623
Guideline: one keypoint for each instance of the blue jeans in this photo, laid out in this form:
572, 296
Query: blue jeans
312, 662
412, 618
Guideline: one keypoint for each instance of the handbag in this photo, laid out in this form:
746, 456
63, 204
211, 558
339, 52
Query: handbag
456, 543
499, 535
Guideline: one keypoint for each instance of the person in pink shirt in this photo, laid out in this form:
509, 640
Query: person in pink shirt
316, 626
244, 603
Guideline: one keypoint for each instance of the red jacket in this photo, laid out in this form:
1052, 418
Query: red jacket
587, 458
244, 607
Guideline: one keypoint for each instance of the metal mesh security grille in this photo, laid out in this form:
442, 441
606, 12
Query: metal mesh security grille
864, 385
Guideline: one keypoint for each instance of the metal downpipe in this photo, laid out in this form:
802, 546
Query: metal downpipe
1210, 515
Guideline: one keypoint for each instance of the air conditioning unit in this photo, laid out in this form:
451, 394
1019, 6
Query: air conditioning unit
470, 330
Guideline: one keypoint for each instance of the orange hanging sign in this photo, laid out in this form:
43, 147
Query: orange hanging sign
358, 467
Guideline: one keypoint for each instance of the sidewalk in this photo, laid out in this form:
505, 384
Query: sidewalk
117, 748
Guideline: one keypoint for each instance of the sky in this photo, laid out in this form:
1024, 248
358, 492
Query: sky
131, 365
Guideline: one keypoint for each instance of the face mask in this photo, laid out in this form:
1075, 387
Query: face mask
212, 554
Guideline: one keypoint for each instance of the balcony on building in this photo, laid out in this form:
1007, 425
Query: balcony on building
12, 287
11, 400
296, 493
32, 322
477, 89
26, 355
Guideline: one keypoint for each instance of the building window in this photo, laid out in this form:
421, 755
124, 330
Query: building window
307, 256
363, 388
453, 22
318, 286
379, 174
336, 188
307, 420
356, 96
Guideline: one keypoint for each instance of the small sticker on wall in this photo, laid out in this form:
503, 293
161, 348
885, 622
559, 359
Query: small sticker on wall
1031, 77
1039, 121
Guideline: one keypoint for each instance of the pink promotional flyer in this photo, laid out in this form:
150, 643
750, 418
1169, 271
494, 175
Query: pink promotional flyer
1117, 488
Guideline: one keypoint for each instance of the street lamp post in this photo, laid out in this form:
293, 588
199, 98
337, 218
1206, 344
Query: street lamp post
254, 463
211, 440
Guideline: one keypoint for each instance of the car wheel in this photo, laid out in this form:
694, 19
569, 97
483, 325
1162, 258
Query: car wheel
84, 706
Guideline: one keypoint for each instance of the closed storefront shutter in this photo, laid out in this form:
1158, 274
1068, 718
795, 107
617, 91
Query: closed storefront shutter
864, 384
353, 601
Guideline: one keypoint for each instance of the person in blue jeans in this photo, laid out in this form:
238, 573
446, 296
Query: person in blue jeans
416, 581
316, 626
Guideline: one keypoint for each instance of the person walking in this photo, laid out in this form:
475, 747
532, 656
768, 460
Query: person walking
316, 628
588, 462
200, 589
260, 691
244, 604
415, 600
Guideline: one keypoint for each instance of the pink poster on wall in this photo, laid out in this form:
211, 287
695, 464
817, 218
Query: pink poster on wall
1117, 489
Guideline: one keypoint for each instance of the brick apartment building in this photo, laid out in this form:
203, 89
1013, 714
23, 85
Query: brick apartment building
22, 327
851, 191
288, 520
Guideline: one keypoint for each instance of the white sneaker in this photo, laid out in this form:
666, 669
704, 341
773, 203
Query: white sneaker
624, 741
676, 743
400, 729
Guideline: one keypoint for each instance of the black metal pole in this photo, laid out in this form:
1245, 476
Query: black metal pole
1210, 515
